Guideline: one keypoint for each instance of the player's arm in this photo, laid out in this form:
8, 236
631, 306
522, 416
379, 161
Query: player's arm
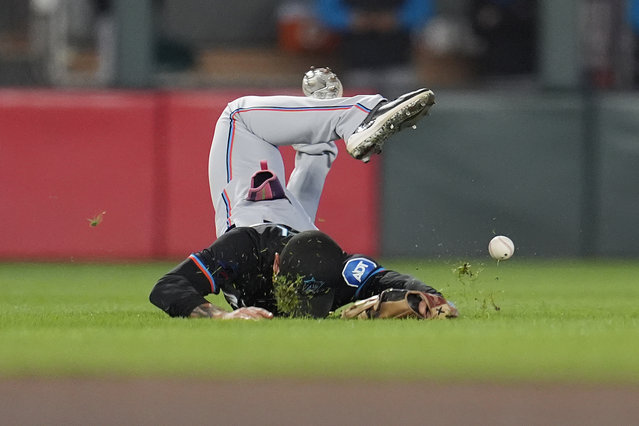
209, 310
391, 279
181, 292
369, 278
382, 293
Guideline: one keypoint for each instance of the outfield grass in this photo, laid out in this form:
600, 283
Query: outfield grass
568, 321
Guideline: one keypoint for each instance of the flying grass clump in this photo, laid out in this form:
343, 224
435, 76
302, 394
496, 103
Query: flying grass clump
289, 297
467, 276
465, 272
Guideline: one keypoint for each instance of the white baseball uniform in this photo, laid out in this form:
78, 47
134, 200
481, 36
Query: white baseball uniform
252, 128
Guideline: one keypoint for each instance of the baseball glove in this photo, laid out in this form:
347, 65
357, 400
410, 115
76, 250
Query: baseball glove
394, 303
321, 83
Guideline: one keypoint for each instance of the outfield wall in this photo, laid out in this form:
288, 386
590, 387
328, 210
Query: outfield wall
66, 156
560, 178
559, 173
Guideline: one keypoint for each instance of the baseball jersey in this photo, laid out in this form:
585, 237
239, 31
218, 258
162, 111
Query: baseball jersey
240, 265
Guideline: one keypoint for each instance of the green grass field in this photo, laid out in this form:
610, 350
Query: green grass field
534, 321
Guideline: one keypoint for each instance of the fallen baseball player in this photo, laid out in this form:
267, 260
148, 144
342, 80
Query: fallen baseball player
269, 258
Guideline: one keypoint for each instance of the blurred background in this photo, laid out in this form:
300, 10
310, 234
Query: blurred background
107, 110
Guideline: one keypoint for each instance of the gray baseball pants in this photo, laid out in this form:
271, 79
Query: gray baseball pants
252, 128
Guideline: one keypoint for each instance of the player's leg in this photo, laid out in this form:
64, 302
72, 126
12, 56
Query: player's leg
231, 167
365, 122
312, 164
251, 127
249, 131
314, 161
386, 119
289, 120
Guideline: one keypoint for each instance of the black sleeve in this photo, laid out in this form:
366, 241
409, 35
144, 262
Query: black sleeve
363, 277
181, 290
386, 279
229, 262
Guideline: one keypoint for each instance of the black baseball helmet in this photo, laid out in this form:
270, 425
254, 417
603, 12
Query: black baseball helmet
310, 263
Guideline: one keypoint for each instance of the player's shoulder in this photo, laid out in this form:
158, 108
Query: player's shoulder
358, 268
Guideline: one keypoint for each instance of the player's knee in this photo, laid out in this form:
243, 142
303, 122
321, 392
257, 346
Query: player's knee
241, 102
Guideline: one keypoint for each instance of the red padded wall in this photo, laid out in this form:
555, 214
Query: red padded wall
348, 209
189, 125
65, 156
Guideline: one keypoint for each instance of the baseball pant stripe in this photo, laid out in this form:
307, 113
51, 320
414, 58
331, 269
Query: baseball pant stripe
300, 109
231, 137
227, 203
229, 149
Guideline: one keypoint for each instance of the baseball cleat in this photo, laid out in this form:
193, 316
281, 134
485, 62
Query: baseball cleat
386, 119
322, 83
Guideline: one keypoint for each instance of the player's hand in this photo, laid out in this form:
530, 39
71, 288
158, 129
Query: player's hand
398, 303
208, 310
250, 313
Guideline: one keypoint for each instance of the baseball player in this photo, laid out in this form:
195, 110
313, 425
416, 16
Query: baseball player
265, 229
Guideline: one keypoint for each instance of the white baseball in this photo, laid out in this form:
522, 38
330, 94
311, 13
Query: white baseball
501, 248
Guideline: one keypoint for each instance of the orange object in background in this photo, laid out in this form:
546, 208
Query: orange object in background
300, 32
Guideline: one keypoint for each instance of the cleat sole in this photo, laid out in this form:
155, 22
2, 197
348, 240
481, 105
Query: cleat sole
404, 117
